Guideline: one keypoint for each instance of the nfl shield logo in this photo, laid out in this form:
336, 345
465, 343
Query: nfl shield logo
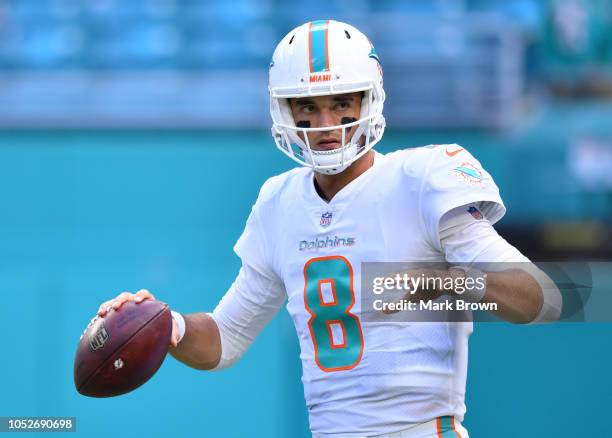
98, 338
326, 219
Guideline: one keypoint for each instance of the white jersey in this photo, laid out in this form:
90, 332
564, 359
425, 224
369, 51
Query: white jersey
362, 378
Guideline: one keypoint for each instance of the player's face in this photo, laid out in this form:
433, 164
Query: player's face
321, 111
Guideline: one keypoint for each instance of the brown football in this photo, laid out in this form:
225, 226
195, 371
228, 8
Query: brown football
122, 350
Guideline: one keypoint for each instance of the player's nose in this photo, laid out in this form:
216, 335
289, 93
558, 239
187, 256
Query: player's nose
327, 118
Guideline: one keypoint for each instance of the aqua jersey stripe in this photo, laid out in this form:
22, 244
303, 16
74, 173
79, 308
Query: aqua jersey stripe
318, 46
446, 428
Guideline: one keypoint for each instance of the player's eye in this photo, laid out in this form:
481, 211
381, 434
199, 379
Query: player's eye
343, 106
308, 109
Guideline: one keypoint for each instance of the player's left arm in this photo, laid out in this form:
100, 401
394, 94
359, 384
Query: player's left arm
459, 203
518, 295
523, 292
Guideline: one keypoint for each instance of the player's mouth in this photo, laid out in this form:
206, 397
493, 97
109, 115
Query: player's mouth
328, 144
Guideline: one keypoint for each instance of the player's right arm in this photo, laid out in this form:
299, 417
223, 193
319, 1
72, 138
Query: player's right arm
200, 347
217, 340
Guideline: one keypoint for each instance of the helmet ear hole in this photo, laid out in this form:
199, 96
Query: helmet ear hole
291, 40
348, 35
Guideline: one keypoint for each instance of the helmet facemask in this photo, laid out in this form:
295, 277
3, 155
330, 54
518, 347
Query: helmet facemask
370, 127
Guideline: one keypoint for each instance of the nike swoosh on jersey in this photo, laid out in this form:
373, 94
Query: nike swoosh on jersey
453, 153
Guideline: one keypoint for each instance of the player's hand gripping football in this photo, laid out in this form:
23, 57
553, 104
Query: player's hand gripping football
138, 297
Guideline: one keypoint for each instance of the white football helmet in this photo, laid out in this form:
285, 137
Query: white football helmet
321, 58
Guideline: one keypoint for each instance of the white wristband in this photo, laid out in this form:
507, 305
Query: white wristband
181, 324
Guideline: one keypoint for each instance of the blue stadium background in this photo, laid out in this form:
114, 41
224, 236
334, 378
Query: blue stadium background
135, 138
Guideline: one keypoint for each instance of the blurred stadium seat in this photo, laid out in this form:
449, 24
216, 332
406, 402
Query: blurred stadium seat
458, 64
448, 63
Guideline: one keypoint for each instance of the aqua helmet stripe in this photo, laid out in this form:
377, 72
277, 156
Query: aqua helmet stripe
317, 43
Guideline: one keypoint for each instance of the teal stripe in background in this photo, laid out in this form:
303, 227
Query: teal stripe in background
318, 31
446, 427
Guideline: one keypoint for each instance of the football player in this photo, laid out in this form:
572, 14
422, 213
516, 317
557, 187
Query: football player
312, 227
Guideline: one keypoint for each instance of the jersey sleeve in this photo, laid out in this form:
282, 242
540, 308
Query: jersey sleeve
254, 246
452, 178
467, 237
258, 292
246, 308
468, 240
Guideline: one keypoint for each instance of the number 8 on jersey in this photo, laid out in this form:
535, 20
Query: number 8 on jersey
329, 297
